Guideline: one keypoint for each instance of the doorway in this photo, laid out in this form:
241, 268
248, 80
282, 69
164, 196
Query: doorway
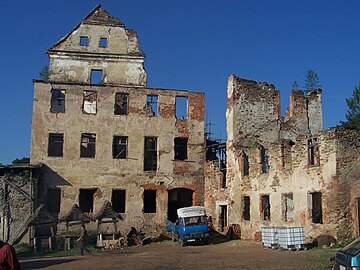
178, 198
223, 217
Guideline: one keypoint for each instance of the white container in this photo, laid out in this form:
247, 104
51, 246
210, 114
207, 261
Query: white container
269, 236
291, 237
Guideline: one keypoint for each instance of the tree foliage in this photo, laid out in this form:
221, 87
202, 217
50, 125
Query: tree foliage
353, 113
311, 81
23, 160
44, 73
295, 85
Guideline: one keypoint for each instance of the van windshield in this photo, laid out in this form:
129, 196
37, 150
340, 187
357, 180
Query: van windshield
189, 221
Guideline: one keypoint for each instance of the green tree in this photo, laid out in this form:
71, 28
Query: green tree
23, 160
295, 85
311, 81
44, 73
353, 113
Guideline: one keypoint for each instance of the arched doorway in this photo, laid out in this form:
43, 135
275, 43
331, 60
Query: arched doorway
177, 198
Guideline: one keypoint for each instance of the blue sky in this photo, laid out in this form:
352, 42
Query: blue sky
191, 45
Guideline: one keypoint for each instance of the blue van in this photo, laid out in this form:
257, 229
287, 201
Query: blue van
191, 226
348, 258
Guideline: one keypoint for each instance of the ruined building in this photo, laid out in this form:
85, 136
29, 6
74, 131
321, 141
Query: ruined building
106, 137
284, 171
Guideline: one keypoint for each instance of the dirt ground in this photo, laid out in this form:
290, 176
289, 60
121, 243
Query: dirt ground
237, 254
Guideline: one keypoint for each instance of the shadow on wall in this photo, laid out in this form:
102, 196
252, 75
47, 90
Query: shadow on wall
52, 178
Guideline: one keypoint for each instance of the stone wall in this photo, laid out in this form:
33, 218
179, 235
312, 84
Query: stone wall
70, 172
306, 178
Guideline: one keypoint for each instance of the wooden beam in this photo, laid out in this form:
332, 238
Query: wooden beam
27, 196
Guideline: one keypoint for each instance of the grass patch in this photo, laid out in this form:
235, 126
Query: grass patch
322, 255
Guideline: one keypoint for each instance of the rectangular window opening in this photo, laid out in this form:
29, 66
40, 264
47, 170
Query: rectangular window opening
118, 200
86, 200
265, 207
150, 154
246, 166
181, 148
181, 107
53, 200
246, 207
264, 160
84, 41
56, 144
149, 201
96, 76
120, 147
313, 152
57, 101
103, 42
286, 155
121, 104
316, 207
89, 102
152, 105
288, 206
88, 142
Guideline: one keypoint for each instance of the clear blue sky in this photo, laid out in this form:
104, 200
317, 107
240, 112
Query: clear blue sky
191, 45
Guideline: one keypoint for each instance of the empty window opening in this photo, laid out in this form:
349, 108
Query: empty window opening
56, 144
313, 152
149, 201
86, 200
286, 156
90, 100
223, 217
265, 207
118, 200
150, 154
96, 76
246, 166
246, 207
181, 107
103, 42
264, 160
57, 101
151, 105
181, 148
288, 207
121, 104
120, 147
53, 200
88, 142
316, 207
84, 41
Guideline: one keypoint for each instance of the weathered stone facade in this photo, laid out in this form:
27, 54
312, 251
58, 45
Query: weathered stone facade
285, 171
115, 140
18, 200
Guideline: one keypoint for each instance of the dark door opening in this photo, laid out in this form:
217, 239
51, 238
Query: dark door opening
177, 198
223, 217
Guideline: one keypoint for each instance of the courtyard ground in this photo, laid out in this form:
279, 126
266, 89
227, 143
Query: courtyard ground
237, 254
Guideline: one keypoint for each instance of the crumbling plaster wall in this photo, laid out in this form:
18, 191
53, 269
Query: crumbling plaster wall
104, 172
301, 180
254, 121
215, 194
346, 184
121, 60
